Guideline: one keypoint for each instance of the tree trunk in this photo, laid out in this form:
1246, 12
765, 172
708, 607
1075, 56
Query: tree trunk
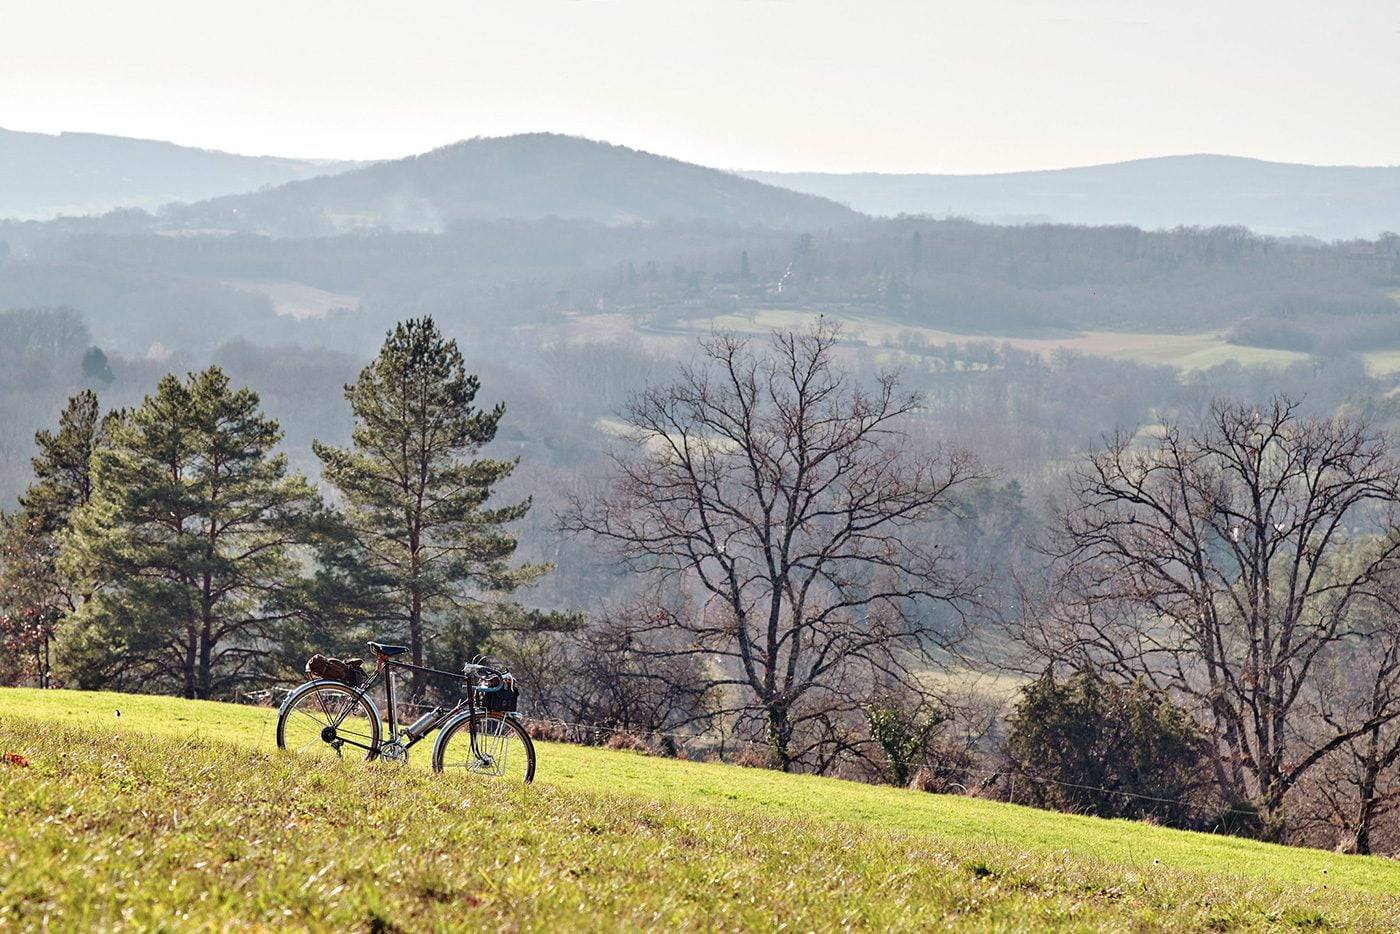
191, 656
1366, 795
415, 641
780, 736
206, 625
415, 614
1365, 819
206, 663
1273, 824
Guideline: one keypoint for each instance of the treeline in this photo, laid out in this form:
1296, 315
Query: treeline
951, 274
1026, 414
1320, 333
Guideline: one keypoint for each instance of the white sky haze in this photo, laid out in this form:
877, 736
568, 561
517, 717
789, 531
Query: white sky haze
876, 85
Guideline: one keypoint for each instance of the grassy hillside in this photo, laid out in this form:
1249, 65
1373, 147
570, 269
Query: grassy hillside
180, 814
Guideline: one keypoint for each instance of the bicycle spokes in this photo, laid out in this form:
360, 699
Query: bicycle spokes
329, 721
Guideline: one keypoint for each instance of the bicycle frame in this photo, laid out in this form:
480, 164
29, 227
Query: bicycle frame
386, 667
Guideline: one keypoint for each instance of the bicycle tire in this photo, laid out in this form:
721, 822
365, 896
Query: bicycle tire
310, 710
496, 736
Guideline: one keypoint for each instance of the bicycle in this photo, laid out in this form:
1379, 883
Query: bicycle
327, 718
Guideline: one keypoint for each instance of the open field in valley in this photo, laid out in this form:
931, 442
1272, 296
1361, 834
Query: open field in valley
1188, 351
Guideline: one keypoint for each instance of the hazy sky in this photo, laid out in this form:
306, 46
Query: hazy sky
883, 85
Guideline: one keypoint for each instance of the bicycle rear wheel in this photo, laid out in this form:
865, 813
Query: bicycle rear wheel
500, 748
328, 721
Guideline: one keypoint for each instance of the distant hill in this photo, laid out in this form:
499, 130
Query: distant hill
516, 177
1328, 202
44, 176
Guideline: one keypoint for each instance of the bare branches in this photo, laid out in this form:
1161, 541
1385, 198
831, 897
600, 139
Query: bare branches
1225, 563
788, 496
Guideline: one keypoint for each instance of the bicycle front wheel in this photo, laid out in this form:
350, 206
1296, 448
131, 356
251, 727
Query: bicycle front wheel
328, 721
499, 748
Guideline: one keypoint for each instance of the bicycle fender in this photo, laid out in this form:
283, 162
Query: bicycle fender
294, 695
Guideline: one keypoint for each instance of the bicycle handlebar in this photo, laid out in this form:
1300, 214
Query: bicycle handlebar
473, 668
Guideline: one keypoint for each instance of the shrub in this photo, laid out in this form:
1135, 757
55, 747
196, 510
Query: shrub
549, 731
634, 742
1090, 746
755, 757
904, 733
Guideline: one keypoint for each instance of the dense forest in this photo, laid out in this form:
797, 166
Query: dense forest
139, 287
519, 177
520, 296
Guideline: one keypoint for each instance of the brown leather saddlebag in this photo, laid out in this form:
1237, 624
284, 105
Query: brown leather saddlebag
350, 671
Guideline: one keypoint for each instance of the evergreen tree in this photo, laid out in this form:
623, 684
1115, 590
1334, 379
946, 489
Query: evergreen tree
35, 596
191, 534
63, 467
96, 366
1107, 749
416, 497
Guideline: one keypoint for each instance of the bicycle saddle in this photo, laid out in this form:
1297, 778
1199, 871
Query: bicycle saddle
388, 650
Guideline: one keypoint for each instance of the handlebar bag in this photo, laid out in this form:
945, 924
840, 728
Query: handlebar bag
504, 699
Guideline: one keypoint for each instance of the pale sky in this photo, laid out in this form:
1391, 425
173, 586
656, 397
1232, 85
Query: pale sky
873, 85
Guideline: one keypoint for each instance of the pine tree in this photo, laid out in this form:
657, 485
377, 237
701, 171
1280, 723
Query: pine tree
191, 536
63, 467
416, 498
35, 596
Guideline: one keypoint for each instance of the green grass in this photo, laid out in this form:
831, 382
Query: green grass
181, 815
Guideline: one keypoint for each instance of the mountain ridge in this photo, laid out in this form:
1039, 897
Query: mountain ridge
47, 175
537, 175
521, 177
1197, 189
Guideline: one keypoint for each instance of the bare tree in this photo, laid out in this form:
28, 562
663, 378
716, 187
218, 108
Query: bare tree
598, 681
1227, 564
1358, 787
32, 599
794, 501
